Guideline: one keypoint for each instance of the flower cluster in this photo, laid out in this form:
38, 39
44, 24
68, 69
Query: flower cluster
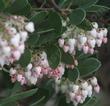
77, 93
86, 41
36, 70
13, 34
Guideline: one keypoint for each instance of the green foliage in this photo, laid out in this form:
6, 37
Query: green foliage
25, 58
17, 96
48, 29
54, 56
74, 16
88, 66
73, 75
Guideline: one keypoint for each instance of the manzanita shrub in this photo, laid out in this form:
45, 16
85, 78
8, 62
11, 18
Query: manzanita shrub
48, 52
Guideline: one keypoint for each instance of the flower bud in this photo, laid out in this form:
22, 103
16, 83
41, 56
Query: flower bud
97, 88
83, 40
93, 33
85, 49
30, 27
75, 88
93, 81
12, 71
95, 25
65, 48
84, 85
61, 42
92, 43
99, 42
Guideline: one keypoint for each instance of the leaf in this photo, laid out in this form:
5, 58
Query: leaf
50, 29
2, 5
77, 16
85, 3
16, 88
33, 39
16, 97
66, 57
38, 17
88, 66
73, 74
53, 21
19, 7
97, 8
40, 100
54, 56
86, 25
25, 58
82, 56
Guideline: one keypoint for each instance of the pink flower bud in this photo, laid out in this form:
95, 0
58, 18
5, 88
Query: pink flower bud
16, 55
97, 88
91, 50
85, 49
65, 48
78, 98
105, 40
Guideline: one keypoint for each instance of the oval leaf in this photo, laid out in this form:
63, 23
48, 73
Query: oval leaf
16, 97
54, 56
73, 74
88, 66
25, 58
77, 16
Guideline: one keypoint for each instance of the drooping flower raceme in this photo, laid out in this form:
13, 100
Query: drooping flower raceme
13, 34
77, 93
36, 70
86, 41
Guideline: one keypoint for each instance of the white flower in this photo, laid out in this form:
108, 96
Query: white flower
100, 34
92, 42
19, 77
29, 67
6, 50
84, 93
89, 89
93, 33
16, 55
23, 35
28, 74
93, 81
61, 42
15, 40
84, 85
71, 42
75, 88
105, 31
21, 48
30, 27
99, 42
83, 40
33, 80
12, 71
95, 25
